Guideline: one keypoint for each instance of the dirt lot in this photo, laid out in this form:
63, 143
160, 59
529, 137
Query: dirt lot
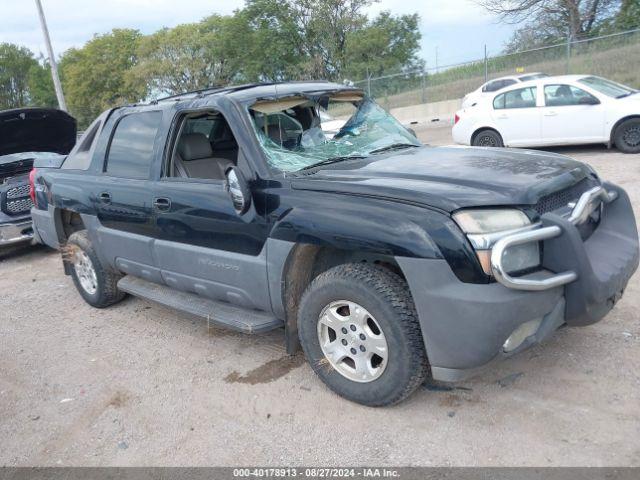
137, 384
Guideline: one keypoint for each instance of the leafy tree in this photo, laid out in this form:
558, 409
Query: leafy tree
41, 90
272, 41
15, 65
187, 57
387, 44
628, 17
98, 75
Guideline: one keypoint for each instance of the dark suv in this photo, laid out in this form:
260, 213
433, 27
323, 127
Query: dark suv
307, 206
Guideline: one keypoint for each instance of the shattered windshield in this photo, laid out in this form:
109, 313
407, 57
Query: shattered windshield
299, 132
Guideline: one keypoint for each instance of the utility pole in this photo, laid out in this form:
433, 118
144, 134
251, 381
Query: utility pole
436, 59
52, 59
486, 64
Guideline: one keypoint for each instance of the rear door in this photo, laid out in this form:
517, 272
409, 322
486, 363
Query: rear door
517, 117
571, 115
123, 194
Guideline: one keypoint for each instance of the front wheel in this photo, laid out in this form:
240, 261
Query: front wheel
627, 136
360, 332
487, 138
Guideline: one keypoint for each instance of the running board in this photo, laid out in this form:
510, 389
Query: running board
218, 313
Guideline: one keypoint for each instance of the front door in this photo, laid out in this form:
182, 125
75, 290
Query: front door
202, 244
571, 116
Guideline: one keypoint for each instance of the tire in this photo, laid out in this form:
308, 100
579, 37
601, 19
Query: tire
487, 138
388, 306
627, 136
79, 252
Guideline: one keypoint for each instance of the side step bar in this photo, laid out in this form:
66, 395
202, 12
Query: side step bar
219, 313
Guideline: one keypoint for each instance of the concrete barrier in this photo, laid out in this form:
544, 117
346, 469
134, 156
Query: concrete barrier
427, 112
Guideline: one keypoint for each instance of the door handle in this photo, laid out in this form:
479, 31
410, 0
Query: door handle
105, 197
504, 116
162, 203
552, 113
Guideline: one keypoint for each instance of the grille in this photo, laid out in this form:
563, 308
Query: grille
560, 199
17, 192
19, 206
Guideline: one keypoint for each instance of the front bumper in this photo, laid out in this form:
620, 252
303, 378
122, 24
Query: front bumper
14, 233
466, 325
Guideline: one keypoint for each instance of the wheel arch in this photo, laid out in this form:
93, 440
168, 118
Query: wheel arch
307, 261
480, 129
618, 123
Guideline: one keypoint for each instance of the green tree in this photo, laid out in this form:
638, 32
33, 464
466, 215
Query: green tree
271, 41
629, 15
41, 91
188, 57
387, 44
98, 75
15, 65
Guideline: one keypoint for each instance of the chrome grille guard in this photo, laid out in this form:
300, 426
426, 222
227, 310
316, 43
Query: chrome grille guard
588, 202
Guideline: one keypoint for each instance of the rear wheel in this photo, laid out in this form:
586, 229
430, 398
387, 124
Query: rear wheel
360, 333
487, 138
627, 136
96, 284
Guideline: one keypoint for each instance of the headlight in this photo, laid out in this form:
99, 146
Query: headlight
490, 220
484, 227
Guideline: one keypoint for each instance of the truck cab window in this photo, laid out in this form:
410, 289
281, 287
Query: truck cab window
204, 148
131, 150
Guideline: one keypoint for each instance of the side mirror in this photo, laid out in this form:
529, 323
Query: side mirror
238, 190
589, 101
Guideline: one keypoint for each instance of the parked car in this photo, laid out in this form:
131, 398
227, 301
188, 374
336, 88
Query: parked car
24, 135
387, 260
488, 88
565, 110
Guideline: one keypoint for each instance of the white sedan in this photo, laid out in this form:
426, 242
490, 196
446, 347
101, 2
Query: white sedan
488, 88
564, 110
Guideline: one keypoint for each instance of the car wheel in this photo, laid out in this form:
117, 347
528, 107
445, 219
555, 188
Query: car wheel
627, 136
487, 138
96, 284
360, 333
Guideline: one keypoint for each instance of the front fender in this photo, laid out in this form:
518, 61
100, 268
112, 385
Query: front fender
369, 225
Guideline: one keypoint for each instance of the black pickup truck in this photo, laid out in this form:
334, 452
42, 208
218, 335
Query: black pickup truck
307, 206
26, 134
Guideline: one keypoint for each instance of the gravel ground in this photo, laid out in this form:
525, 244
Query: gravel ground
137, 384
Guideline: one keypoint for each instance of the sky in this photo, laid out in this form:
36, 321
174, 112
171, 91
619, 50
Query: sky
457, 29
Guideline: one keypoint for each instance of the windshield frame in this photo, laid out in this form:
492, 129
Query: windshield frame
268, 147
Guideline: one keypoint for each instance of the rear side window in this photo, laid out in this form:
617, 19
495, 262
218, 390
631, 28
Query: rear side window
521, 98
131, 149
80, 157
497, 85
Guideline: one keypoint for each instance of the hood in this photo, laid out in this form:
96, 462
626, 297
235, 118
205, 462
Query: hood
449, 178
36, 130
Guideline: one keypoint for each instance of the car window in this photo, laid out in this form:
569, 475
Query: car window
131, 149
607, 87
533, 76
80, 157
564, 95
498, 84
521, 98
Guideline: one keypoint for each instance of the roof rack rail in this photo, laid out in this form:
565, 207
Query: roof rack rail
229, 88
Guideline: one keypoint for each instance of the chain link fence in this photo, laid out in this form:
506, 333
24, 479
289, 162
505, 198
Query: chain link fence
614, 56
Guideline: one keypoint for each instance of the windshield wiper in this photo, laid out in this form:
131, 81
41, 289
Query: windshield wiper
393, 146
628, 94
331, 160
